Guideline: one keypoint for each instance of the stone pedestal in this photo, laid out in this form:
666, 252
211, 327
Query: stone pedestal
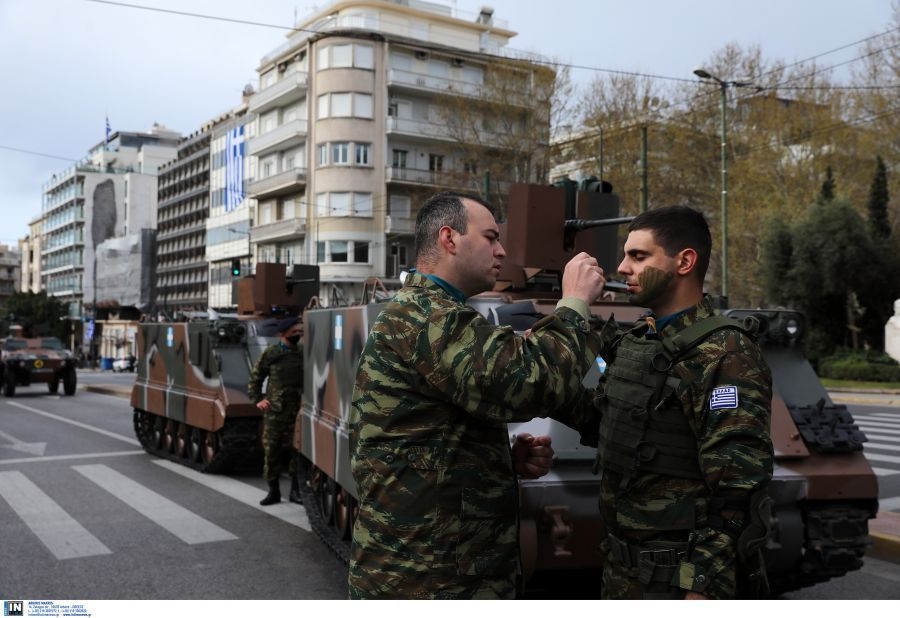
892, 333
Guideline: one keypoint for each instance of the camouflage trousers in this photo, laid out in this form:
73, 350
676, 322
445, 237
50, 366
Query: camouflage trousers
632, 574
278, 429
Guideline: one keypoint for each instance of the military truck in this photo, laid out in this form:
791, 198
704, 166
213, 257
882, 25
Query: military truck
190, 392
823, 488
36, 360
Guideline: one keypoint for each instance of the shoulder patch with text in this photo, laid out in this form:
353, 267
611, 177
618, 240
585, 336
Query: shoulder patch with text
724, 398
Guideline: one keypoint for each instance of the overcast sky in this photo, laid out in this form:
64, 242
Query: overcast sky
68, 64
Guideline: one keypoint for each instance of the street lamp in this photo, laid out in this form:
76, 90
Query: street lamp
723, 87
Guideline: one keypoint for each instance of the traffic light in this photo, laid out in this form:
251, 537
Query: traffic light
236, 267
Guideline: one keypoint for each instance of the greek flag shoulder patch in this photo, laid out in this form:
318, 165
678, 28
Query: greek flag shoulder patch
724, 398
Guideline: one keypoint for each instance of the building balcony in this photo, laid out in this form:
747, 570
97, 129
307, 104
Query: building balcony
282, 183
406, 175
410, 81
286, 136
291, 87
288, 229
422, 129
184, 196
399, 225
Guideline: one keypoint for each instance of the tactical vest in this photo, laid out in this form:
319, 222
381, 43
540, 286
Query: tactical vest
643, 429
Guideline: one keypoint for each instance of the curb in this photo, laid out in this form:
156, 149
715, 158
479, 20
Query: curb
884, 531
116, 391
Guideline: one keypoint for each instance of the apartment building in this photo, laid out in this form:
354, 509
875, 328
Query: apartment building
10, 273
30, 250
351, 132
108, 197
183, 207
230, 210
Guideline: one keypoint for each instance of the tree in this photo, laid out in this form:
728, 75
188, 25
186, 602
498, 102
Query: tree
37, 313
826, 194
878, 202
503, 126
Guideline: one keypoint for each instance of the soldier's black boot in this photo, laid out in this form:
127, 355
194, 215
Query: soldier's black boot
295, 496
274, 495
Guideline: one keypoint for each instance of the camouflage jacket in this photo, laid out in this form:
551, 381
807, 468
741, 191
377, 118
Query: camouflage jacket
733, 445
430, 451
283, 366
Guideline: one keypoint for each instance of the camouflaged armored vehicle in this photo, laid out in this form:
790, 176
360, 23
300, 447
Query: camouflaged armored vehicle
823, 488
190, 392
36, 360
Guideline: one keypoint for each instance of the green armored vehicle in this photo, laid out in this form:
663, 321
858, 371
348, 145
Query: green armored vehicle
190, 393
36, 360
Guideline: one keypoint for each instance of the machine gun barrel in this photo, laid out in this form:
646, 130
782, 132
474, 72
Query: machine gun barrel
576, 225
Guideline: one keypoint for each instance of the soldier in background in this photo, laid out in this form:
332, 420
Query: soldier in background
282, 364
684, 443
435, 387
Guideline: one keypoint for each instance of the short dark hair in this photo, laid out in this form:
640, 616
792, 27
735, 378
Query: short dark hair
676, 228
444, 208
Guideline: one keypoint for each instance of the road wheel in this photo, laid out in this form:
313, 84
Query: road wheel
195, 445
159, 432
70, 382
327, 500
53, 386
169, 431
344, 513
182, 441
211, 445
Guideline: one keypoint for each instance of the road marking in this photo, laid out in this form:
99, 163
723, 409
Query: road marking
63, 419
35, 448
880, 446
187, 526
884, 471
876, 422
883, 438
884, 458
886, 415
874, 429
56, 529
891, 504
294, 514
69, 457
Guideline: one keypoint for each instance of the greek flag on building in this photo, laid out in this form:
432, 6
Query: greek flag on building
234, 168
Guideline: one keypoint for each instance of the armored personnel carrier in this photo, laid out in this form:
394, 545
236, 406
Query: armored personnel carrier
36, 360
824, 489
190, 393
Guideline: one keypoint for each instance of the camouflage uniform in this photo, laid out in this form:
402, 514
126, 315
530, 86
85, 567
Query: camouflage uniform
673, 532
283, 365
430, 450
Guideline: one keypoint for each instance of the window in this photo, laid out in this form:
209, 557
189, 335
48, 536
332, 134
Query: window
362, 105
267, 168
287, 209
339, 204
321, 204
363, 154
323, 154
338, 250
320, 251
399, 158
363, 57
341, 104
341, 56
362, 204
265, 214
435, 162
346, 55
400, 206
323, 106
361, 252
471, 167
340, 153
401, 61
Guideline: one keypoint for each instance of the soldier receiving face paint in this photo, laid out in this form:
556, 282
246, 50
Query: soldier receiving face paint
683, 445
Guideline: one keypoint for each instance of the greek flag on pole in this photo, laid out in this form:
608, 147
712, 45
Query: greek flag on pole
724, 398
234, 168
107, 129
